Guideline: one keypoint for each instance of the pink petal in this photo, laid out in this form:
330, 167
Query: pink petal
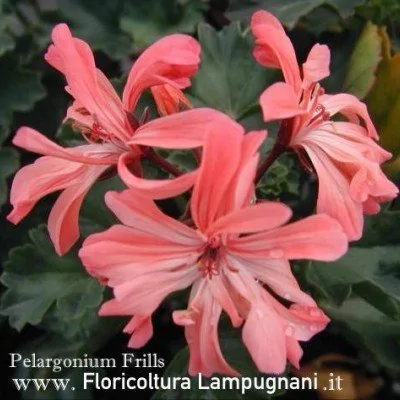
242, 186
279, 277
143, 215
255, 218
96, 154
294, 351
143, 295
169, 99
141, 329
300, 322
318, 237
344, 142
73, 57
221, 294
152, 188
264, 338
208, 200
280, 101
184, 130
139, 252
63, 222
359, 189
316, 67
172, 59
274, 48
334, 195
202, 337
348, 104
46, 175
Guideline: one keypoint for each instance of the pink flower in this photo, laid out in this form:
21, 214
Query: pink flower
344, 154
114, 136
230, 252
169, 99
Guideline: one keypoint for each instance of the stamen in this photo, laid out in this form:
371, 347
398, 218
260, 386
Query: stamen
82, 111
212, 257
320, 113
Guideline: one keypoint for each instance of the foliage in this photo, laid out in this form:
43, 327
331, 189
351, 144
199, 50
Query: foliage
226, 59
361, 291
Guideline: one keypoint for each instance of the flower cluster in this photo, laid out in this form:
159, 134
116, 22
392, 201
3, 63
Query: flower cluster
232, 250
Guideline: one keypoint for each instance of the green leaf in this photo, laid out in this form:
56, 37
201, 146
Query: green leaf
323, 19
289, 11
98, 24
364, 61
20, 89
150, 20
43, 286
371, 273
95, 216
361, 291
381, 229
229, 78
7, 42
373, 333
282, 178
345, 8
9, 163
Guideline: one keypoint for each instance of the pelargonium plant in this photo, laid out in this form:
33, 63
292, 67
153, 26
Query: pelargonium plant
231, 249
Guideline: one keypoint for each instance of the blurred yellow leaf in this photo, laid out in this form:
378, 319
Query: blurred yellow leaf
364, 61
384, 98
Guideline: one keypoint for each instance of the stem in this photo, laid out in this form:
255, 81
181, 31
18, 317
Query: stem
280, 145
163, 163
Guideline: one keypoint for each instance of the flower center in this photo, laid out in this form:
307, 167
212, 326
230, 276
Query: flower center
320, 115
213, 257
95, 133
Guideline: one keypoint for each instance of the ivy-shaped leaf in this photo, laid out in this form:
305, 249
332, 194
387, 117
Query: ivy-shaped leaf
379, 230
98, 24
282, 178
323, 19
229, 78
289, 11
361, 291
9, 162
371, 331
371, 273
147, 21
43, 286
20, 89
